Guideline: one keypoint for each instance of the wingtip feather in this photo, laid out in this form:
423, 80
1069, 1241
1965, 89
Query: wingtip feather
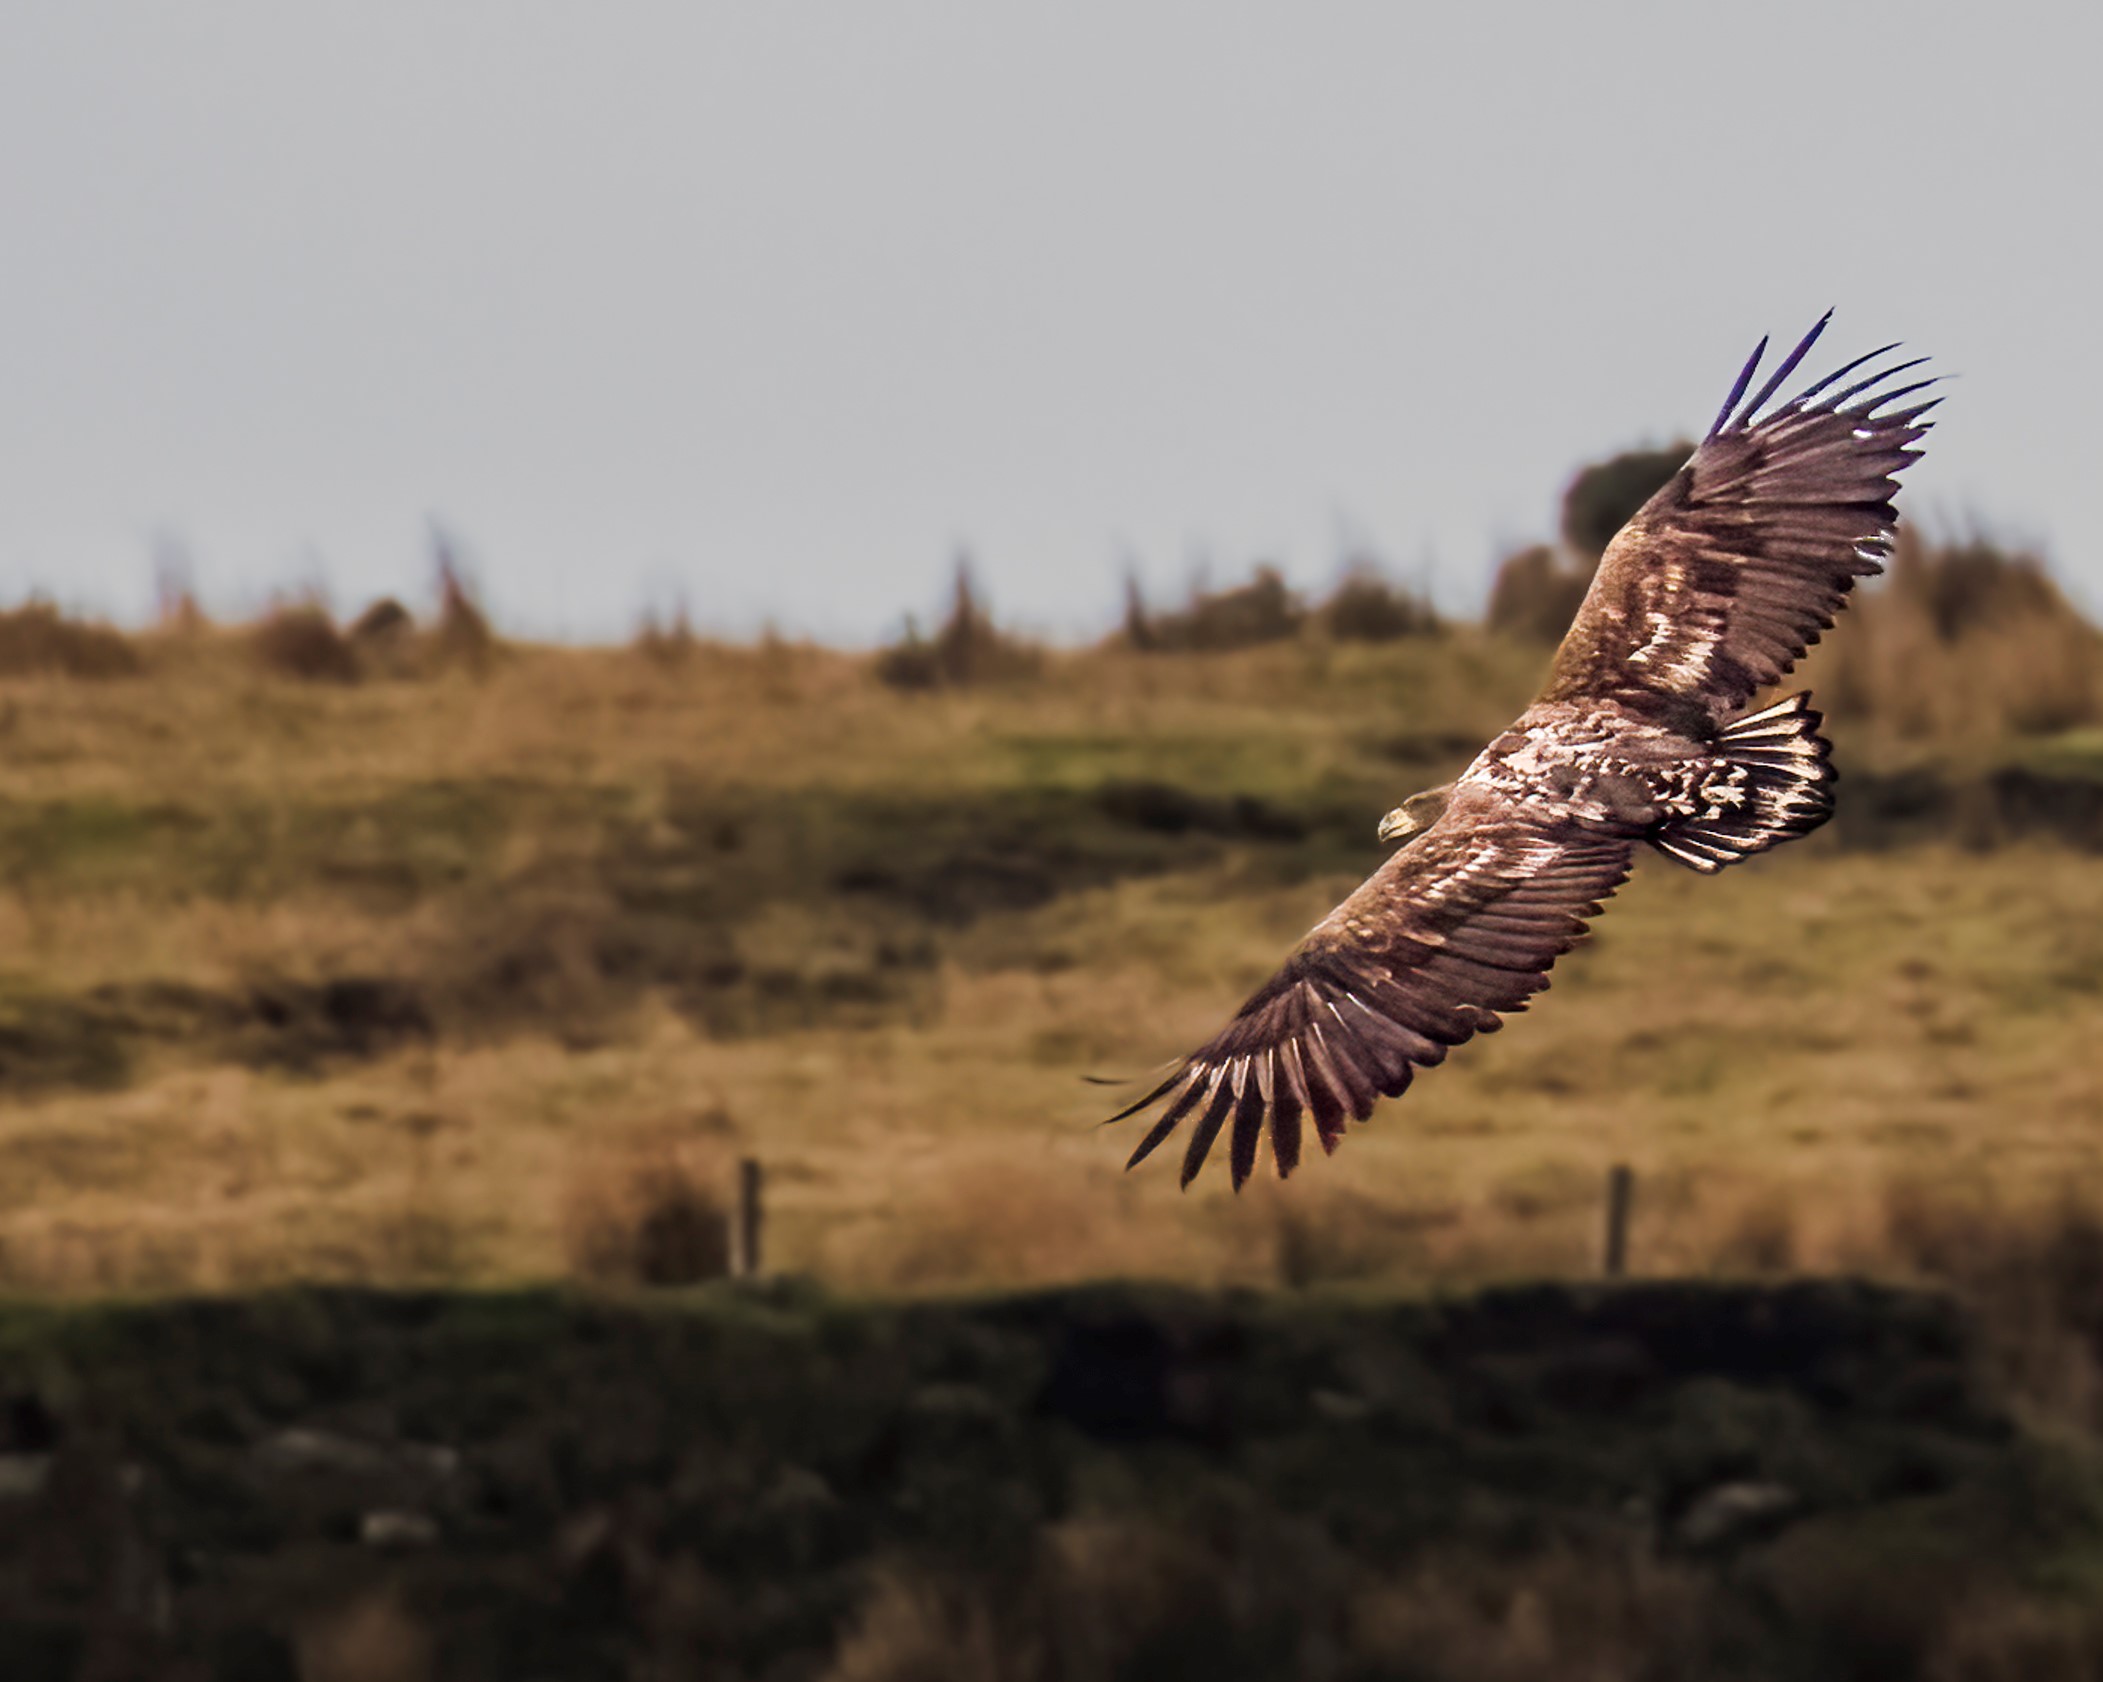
1787, 367
1738, 387
1176, 1075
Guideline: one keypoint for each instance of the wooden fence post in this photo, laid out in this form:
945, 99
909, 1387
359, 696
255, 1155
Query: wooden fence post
1620, 1193
744, 1252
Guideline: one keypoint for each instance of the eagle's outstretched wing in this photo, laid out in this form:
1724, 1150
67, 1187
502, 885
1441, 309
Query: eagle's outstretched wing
1460, 924
1721, 581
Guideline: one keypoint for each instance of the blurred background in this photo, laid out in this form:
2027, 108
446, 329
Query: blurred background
591, 597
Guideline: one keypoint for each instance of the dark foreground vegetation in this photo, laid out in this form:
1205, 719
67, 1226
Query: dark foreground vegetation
1653, 1481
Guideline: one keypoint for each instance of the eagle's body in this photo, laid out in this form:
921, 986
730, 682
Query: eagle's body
1641, 736
1601, 768
1615, 773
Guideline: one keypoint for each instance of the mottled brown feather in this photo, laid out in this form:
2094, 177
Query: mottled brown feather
1721, 581
1461, 924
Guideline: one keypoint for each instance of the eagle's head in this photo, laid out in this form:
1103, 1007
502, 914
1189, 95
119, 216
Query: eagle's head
1415, 815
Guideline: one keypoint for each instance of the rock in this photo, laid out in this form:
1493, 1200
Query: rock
798, 1490
397, 1529
949, 1417
583, 1537
1340, 1408
299, 1449
1734, 1513
23, 1475
439, 1461
303, 1449
966, 1404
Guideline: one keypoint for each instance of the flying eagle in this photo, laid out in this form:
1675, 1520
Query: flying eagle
1710, 593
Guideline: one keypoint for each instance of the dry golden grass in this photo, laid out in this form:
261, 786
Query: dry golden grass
1962, 642
1771, 1066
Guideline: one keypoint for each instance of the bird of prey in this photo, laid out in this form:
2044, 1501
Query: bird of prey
1642, 735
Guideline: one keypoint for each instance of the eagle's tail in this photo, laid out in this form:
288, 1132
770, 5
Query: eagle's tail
1786, 789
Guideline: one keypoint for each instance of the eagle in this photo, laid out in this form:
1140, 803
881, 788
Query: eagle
1645, 734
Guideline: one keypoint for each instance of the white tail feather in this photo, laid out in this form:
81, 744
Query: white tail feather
1788, 787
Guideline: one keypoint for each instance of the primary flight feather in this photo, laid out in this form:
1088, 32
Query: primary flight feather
1641, 735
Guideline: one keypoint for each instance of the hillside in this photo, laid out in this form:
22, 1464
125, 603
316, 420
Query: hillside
456, 975
438, 977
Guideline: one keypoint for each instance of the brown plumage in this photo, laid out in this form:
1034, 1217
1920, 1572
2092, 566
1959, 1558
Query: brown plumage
1708, 595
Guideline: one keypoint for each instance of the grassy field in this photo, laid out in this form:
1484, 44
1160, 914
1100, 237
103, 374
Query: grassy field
446, 979
476, 979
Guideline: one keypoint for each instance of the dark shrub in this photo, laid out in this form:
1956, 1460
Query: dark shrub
968, 649
1536, 595
1966, 639
647, 1217
910, 662
1603, 496
1138, 631
463, 636
1367, 608
665, 642
300, 640
383, 624
1260, 611
36, 640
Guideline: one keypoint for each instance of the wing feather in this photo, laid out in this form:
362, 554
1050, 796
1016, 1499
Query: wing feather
1249, 1110
1208, 1125
1192, 1080
1453, 929
1718, 585
1329, 1104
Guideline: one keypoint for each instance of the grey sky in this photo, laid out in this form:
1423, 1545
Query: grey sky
774, 305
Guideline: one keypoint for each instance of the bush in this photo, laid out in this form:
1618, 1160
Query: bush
176, 610
300, 640
1603, 497
1536, 594
382, 625
1366, 608
1963, 640
1260, 611
910, 662
463, 635
968, 649
1138, 630
36, 640
647, 1217
665, 642
1975, 586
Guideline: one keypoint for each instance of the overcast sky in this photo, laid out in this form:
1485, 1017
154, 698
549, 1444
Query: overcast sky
773, 307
